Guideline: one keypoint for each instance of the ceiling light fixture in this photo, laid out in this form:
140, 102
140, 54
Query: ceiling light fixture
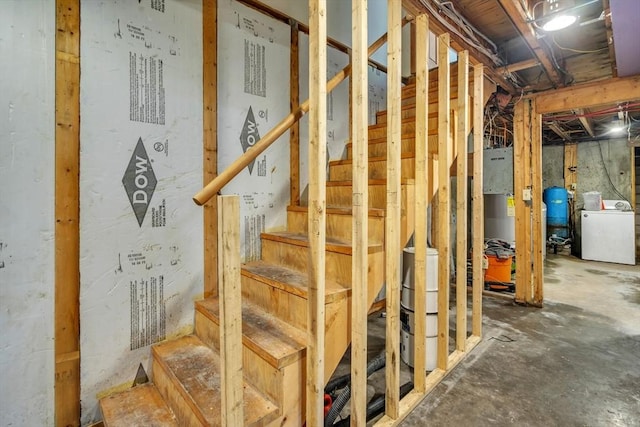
560, 15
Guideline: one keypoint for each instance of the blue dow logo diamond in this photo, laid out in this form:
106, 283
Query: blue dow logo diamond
249, 135
139, 181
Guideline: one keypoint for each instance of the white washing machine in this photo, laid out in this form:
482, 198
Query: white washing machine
609, 235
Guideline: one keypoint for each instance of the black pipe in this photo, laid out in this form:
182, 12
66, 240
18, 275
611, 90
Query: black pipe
375, 406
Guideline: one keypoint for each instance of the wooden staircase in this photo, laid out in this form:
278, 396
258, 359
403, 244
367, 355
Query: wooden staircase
185, 371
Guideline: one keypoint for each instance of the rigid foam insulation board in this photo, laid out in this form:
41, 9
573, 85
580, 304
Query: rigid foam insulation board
141, 236
27, 46
253, 97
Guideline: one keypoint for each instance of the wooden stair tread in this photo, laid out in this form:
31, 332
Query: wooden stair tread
408, 181
332, 244
290, 280
405, 155
373, 212
408, 121
275, 341
196, 368
139, 406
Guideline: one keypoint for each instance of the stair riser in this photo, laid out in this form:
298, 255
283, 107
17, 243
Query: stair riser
379, 149
256, 371
407, 113
297, 258
341, 196
408, 129
338, 225
186, 412
377, 170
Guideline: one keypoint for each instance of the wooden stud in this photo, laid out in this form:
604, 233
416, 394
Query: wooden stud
518, 188
444, 200
526, 171
317, 210
393, 222
360, 202
462, 200
294, 132
478, 202
421, 200
570, 165
231, 382
67, 212
210, 139
537, 224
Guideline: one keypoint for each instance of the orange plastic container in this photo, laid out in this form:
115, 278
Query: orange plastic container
499, 269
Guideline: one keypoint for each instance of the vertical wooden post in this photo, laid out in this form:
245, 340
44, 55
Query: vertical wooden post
210, 139
444, 200
231, 382
570, 165
317, 209
392, 224
478, 200
462, 200
422, 197
360, 203
536, 226
294, 132
521, 180
67, 212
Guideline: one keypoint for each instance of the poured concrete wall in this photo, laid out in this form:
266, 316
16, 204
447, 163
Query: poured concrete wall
27, 126
552, 166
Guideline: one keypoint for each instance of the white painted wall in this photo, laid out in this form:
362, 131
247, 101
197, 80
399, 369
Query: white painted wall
27, 30
140, 270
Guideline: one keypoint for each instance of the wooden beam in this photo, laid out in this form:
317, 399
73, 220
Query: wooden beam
420, 206
294, 132
360, 265
610, 40
518, 188
586, 122
210, 139
393, 220
317, 210
231, 382
555, 127
462, 200
444, 200
67, 212
519, 66
478, 203
537, 224
589, 95
519, 17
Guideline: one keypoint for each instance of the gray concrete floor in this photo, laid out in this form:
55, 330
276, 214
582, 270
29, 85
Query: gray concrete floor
575, 362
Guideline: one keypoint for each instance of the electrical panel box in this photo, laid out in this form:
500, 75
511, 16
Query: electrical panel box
498, 171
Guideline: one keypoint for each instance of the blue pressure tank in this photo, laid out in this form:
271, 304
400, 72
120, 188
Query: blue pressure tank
557, 200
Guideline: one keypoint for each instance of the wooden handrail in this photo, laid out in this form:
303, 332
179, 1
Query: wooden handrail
251, 154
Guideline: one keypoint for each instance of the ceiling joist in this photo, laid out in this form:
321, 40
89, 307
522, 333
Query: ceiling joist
555, 127
519, 16
585, 121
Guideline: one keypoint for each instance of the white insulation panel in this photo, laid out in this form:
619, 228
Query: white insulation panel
141, 250
27, 30
253, 96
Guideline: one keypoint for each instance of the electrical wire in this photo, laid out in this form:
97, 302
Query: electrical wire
604, 165
553, 39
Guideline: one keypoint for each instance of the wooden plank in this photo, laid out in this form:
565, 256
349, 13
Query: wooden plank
478, 202
586, 122
519, 66
526, 171
359, 126
67, 212
444, 200
519, 17
537, 224
420, 206
518, 188
462, 200
589, 95
317, 207
294, 132
230, 311
393, 190
570, 166
210, 140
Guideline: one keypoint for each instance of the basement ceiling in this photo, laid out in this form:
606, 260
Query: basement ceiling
604, 42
